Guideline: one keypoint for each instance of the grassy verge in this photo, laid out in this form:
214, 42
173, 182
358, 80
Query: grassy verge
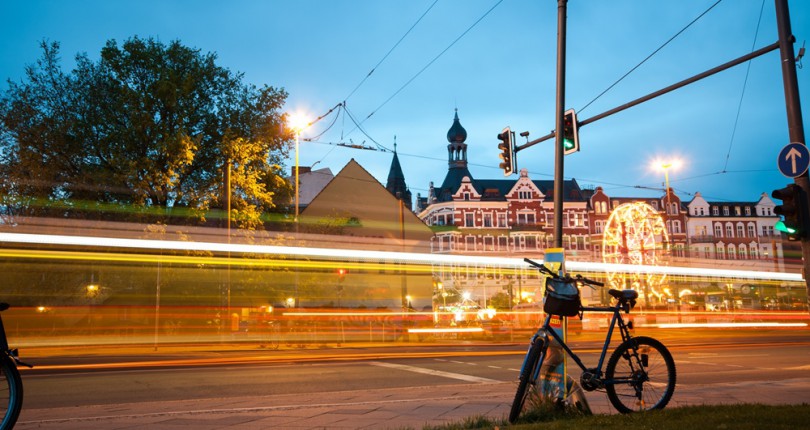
720, 417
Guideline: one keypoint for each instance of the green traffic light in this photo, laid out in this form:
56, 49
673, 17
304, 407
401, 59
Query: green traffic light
568, 144
781, 226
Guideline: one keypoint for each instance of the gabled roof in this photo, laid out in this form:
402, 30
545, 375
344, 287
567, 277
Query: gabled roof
355, 194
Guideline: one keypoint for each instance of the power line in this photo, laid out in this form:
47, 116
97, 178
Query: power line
650, 56
745, 84
391, 50
428, 64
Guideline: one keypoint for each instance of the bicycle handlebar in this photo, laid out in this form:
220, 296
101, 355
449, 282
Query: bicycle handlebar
565, 278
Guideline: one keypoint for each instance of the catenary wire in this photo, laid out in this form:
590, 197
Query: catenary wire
427, 65
742, 94
391, 50
649, 56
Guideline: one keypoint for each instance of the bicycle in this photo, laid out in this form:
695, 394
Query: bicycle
640, 373
11, 389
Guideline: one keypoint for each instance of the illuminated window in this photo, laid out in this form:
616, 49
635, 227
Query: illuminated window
469, 220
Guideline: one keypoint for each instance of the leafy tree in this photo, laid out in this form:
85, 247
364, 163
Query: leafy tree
148, 129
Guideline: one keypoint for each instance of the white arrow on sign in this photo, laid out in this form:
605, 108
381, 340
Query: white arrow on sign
792, 155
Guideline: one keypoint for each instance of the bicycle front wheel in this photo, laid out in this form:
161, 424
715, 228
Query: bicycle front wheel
640, 375
533, 360
11, 393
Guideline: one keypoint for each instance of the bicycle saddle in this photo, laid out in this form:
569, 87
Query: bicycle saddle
624, 295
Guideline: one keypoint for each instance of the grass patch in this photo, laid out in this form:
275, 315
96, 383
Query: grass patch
715, 417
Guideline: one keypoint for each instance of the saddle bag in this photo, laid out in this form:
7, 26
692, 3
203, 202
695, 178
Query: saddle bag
561, 298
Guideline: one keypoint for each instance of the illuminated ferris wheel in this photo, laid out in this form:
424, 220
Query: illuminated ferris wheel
635, 234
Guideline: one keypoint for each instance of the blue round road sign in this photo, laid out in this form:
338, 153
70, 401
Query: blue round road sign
793, 160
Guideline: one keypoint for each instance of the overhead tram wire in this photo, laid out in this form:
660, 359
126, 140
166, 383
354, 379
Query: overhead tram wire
649, 56
391, 50
427, 65
742, 94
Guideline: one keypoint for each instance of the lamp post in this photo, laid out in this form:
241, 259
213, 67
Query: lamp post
298, 122
665, 166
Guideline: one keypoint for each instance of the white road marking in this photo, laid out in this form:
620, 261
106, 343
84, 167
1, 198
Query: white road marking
461, 376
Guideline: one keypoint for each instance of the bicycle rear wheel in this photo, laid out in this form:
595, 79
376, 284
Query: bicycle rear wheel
11, 393
640, 375
534, 359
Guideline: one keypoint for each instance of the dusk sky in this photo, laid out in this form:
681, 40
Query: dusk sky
727, 129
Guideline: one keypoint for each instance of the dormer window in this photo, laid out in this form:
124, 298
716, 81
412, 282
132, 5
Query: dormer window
524, 195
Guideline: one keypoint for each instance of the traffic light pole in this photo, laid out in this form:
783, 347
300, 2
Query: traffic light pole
559, 151
794, 113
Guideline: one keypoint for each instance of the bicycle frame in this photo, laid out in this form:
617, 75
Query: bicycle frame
616, 319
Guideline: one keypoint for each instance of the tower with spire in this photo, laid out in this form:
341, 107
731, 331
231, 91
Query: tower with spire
456, 161
396, 181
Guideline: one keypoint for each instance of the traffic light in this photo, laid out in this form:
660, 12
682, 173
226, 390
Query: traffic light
793, 209
570, 132
507, 147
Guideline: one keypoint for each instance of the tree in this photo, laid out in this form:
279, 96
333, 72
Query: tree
148, 129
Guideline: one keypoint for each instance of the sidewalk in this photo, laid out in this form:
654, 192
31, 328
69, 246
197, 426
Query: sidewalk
396, 408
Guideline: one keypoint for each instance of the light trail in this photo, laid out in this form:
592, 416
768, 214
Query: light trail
487, 264
725, 325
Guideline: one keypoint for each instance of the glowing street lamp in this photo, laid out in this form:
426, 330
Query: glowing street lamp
297, 122
665, 166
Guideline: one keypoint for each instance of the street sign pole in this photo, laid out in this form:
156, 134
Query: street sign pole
794, 111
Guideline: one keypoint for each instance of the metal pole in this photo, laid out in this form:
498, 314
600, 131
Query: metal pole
559, 112
794, 110
673, 87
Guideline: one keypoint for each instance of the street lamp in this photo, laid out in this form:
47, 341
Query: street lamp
665, 166
298, 122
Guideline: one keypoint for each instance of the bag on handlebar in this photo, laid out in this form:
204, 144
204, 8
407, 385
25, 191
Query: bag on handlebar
562, 298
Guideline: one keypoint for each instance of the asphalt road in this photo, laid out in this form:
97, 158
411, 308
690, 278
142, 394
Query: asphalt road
74, 380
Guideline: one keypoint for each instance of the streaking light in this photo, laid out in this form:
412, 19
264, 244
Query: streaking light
725, 325
502, 262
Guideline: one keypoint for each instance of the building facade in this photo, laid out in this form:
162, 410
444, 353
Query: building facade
514, 216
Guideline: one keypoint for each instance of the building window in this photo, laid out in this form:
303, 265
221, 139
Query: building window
748, 211
489, 243
743, 252
721, 252
715, 211
737, 211
501, 220
676, 226
524, 195
503, 243
729, 230
718, 231
487, 220
751, 230
470, 242
525, 218
599, 226
754, 252
740, 230
732, 251
725, 211
466, 197
469, 220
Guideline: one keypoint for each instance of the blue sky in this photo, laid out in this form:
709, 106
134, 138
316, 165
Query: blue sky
501, 72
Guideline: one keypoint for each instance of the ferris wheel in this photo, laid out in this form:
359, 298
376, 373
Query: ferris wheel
635, 234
